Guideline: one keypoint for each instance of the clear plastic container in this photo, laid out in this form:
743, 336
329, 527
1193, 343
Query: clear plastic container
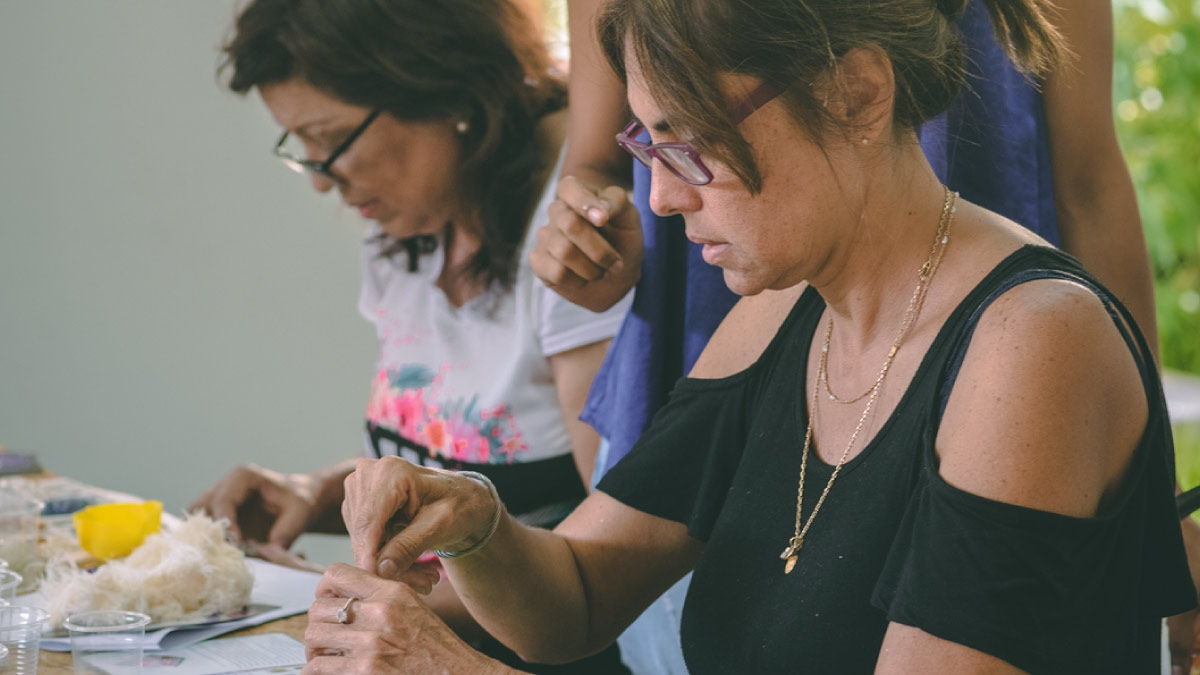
10, 581
107, 641
21, 635
19, 517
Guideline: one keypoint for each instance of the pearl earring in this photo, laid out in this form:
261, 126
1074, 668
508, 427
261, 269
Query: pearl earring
462, 126
865, 141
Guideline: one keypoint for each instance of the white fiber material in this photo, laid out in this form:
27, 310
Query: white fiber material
183, 575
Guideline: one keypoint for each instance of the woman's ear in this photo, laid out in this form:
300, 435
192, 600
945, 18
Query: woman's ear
861, 92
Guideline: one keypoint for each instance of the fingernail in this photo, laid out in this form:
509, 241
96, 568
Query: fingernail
387, 568
595, 215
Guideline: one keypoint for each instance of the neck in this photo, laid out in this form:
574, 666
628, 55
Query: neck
462, 238
872, 272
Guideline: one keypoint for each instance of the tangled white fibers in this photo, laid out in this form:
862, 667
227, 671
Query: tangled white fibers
185, 574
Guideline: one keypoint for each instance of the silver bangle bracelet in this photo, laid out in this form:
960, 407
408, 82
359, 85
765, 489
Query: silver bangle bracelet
491, 528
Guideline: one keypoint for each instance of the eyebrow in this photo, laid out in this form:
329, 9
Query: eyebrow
307, 128
661, 126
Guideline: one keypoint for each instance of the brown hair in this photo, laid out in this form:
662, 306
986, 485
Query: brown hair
419, 60
683, 45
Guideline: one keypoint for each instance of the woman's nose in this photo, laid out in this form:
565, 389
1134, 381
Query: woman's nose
322, 183
669, 194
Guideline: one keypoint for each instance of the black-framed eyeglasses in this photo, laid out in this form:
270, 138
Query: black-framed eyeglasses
321, 167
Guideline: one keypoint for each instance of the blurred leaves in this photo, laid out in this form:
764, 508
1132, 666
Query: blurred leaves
1156, 92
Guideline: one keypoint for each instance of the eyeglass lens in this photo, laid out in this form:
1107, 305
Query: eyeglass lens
683, 163
293, 152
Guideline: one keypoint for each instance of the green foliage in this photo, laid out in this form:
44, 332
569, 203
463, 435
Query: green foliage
1156, 89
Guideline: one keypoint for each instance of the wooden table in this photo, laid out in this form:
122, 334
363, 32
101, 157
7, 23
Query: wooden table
59, 663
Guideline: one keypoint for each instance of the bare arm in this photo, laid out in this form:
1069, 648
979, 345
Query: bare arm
1045, 347
550, 596
594, 575
574, 371
1094, 197
597, 105
590, 252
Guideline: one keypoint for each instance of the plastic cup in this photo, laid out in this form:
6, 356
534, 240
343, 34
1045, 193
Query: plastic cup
21, 635
107, 641
10, 581
19, 516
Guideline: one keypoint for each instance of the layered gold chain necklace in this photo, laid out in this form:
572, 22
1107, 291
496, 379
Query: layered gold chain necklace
925, 276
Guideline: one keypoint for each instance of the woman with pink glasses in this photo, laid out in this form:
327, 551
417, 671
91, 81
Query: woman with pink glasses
923, 441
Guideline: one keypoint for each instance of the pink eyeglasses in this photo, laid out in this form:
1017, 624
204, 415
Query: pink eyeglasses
682, 159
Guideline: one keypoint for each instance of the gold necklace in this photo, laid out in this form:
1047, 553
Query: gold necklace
925, 276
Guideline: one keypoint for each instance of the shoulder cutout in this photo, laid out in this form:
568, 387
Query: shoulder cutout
745, 333
1049, 404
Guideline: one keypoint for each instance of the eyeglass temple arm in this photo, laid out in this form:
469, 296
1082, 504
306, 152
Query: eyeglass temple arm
756, 99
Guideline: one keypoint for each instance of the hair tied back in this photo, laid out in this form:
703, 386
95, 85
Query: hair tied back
952, 9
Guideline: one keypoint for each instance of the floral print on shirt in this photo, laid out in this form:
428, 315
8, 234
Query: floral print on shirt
409, 400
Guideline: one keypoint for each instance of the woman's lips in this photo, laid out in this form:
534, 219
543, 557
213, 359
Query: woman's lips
712, 252
368, 209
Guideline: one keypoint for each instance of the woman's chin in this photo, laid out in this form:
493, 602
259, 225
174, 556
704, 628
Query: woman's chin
741, 283
397, 227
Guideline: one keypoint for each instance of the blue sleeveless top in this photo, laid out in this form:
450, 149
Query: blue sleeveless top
990, 146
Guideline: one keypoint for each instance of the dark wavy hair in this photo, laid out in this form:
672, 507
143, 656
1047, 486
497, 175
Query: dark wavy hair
683, 45
420, 60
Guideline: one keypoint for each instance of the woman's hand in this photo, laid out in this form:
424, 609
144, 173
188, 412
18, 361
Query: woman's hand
279, 555
395, 511
268, 507
591, 250
387, 629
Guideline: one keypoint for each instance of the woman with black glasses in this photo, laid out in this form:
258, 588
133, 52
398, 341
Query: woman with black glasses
442, 124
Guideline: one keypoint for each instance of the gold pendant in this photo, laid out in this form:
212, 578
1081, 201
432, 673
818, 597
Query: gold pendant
791, 553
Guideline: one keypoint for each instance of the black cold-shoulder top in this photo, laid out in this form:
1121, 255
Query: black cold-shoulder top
1048, 593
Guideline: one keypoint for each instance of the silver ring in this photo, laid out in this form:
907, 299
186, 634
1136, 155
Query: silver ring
343, 614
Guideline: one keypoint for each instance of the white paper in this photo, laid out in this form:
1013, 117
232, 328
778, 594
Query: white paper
290, 589
231, 655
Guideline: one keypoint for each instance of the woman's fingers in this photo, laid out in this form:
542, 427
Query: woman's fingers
584, 255
582, 215
395, 511
323, 665
421, 577
281, 556
590, 251
329, 639
584, 200
345, 581
427, 531
376, 492
294, 515
387, 629
226, 498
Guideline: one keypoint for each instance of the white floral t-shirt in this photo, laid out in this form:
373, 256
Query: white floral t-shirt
470, 387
